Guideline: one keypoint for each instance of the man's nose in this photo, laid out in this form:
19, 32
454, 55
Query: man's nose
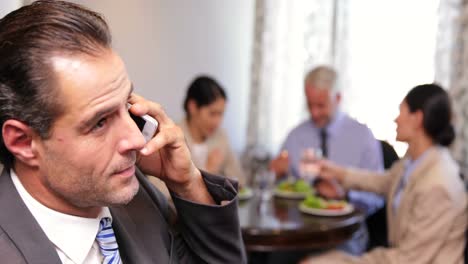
315, 112
132, 138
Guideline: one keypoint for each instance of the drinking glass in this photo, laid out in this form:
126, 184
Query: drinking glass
308, 165
265, 183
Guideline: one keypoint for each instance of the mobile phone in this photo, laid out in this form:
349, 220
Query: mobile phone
146, 124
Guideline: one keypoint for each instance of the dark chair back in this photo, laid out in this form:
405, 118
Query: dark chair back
377, 222
466, 232
466, 247
389, 154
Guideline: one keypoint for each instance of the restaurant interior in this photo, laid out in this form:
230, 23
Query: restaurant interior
262, 54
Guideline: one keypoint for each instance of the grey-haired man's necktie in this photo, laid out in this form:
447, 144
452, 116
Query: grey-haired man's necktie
323, 142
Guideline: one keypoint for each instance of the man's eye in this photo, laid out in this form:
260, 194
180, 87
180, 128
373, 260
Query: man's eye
101, 123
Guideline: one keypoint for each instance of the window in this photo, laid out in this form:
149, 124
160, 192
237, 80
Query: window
391, 50
380, 48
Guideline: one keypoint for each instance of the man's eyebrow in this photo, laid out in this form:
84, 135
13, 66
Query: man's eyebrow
103, 112
96, 116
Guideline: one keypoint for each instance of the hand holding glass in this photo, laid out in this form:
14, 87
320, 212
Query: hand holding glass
308, 165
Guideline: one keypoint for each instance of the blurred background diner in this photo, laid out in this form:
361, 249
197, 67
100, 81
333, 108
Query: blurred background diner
258, 53
427, 203
332, 135
204, 105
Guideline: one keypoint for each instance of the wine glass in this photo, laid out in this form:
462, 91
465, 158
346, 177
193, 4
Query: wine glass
265, 183
308, 165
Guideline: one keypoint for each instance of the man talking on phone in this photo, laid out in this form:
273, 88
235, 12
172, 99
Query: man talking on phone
72, 189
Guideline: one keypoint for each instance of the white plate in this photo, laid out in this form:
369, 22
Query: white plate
245, 195
349, 208
289, 195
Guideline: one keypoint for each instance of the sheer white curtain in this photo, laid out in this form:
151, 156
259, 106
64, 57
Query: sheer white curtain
451, 70
380, 48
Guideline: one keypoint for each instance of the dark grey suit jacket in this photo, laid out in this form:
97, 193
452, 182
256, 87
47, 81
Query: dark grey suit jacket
146, 229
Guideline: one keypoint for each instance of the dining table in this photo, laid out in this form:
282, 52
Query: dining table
277, 224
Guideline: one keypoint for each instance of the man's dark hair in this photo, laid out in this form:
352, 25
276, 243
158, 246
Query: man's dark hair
29, 37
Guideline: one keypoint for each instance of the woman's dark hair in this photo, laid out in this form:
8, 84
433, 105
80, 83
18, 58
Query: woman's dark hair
434, 103
203, 91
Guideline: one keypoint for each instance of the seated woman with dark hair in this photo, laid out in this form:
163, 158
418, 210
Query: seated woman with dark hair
204, 106
426, 199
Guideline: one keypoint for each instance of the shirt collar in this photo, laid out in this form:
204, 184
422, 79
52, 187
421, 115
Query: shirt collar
73, 235
410, 165
333, 125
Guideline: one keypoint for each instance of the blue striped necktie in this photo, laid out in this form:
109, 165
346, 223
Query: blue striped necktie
107, 243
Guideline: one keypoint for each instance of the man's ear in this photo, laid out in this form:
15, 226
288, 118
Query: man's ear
337, 97
18, 139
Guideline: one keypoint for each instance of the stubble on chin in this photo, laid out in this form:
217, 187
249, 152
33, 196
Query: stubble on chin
125, 195
101, 197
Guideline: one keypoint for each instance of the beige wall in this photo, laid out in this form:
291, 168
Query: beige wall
7, 6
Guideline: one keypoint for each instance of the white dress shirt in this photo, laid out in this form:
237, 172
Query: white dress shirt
200, 154
73, 236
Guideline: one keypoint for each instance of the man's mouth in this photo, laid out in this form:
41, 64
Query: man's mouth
126, 172
127, 168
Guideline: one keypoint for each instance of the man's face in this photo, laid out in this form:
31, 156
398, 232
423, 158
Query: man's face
321, 104
89, 160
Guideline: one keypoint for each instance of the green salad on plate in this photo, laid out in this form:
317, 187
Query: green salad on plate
312, 201
299, 186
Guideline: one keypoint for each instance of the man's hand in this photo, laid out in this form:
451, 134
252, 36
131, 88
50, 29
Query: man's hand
167, 156
280, 164
330, 189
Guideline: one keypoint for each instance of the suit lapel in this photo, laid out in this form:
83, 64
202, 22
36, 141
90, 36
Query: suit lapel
21, 227
391, 215
124, 227
140, 227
